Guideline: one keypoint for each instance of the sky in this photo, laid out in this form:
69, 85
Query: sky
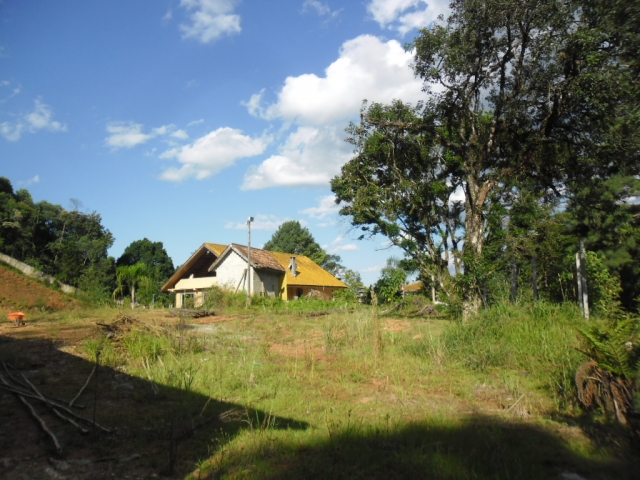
176, 120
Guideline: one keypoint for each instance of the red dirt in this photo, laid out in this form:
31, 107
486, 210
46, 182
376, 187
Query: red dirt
18, 292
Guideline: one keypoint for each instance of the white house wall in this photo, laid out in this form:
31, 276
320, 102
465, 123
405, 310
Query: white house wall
230, 271
196, 283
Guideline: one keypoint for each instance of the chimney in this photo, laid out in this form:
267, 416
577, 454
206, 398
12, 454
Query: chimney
293, 266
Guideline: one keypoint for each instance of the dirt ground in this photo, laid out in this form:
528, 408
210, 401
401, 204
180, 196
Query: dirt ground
18, 292
148, 431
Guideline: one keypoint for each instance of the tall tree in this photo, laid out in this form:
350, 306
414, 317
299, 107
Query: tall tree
519, 92
291, 237
152, 254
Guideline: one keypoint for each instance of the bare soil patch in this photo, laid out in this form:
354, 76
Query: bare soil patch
20, 292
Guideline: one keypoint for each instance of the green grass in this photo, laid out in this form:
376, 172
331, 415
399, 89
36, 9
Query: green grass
440, 400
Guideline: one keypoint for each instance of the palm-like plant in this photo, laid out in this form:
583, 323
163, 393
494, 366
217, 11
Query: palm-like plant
132, 277
608, 379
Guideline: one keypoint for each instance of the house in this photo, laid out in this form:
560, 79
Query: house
412, 288
276, 274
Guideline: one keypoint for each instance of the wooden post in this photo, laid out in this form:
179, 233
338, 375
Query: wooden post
433, 289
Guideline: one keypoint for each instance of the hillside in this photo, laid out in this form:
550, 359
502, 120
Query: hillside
18, 292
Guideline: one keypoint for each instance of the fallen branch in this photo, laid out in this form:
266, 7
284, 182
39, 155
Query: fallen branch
55, 410
23, 384
42, 423
83, 386
53, 404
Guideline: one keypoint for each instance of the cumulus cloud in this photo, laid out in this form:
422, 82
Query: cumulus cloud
406, 15
327, 207
41, 118
260, 222
309, 156
210, 19
212, 153
367, 68
318, 108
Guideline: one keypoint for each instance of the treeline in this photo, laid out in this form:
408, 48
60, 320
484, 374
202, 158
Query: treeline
72, 246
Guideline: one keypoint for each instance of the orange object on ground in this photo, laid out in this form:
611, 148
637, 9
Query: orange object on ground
17, 317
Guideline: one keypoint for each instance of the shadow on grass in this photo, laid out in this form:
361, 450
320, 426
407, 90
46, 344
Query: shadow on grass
476, 447
156, 429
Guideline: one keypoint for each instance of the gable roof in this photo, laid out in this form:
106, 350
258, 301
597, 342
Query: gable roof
309, 272
197, 261
260, 259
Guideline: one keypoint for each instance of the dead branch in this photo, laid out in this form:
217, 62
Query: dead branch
83, 386
53, 404
24, 385
40, 421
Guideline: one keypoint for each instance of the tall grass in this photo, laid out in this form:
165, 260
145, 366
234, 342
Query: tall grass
535, 339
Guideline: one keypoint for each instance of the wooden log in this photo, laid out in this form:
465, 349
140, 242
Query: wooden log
83, 386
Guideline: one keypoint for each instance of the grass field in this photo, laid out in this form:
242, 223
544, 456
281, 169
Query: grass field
279, 393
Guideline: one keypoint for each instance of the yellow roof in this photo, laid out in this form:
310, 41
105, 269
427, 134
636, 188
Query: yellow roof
413, 287
309, 272
216, 247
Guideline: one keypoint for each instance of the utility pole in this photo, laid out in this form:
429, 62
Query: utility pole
249, 220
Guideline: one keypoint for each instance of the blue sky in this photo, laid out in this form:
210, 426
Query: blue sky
178, 119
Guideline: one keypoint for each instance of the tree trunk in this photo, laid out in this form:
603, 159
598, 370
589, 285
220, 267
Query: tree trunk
476, 196
534, 277
583, 279
133, 296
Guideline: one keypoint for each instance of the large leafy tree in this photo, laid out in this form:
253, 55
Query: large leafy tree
291, 237
520, 94
152, 254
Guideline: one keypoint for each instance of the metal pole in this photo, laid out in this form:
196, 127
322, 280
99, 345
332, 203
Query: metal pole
249, 263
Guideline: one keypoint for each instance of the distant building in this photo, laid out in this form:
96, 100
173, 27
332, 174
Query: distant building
275, 274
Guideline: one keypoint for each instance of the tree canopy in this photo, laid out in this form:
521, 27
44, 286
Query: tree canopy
69, 245
522, 98
291, 237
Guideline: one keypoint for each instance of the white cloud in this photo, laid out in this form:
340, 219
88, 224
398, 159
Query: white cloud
260, 222
374, 268
180, 135
130, 134
11, 131
320, 8
406, 15
167, 17
366, 68
326, 208
31, 181
309, 156
338, 246
210, 19
212, 153
126, 135
40, 119
14, 91
195, 122
318, 108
